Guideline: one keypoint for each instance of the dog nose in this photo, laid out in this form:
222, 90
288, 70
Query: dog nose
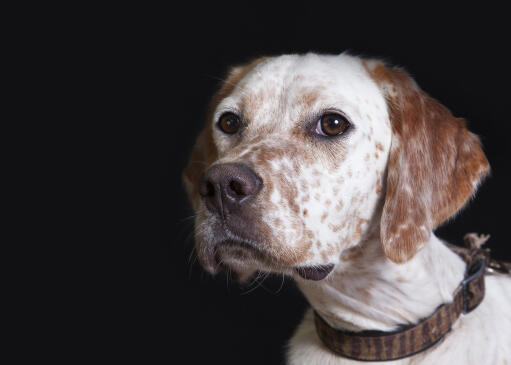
226, 187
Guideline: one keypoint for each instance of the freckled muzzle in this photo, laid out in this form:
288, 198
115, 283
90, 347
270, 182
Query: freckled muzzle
228, 191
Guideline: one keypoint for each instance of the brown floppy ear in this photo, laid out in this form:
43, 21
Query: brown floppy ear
204, 152
434, 167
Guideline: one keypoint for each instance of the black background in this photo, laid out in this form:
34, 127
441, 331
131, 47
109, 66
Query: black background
459, 59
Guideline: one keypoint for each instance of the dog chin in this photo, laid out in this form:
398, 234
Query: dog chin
243, 270
227, 251
240, 258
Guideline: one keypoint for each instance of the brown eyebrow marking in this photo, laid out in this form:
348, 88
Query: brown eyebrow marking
231, 82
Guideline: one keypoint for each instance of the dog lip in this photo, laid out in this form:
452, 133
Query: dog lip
314, 273
215, 259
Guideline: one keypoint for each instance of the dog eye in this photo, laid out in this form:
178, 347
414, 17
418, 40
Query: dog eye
229, 123
332, 125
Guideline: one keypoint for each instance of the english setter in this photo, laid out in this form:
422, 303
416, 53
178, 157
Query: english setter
335, 170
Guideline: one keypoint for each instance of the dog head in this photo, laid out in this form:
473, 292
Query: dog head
305, 156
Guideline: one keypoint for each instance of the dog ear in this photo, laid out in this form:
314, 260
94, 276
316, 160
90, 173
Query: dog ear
204, 152
435, 164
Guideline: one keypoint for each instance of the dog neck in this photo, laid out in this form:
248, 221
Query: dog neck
367, 291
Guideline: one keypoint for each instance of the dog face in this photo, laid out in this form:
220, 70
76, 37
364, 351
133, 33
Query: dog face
304, 157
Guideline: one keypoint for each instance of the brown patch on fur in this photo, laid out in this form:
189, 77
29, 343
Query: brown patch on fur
378, 73
336, 228
367, 157
358, 229
379, 146
265, 154
328, 252
352, 253
203, 155
268, 183
378, 186
289, 193
432, 153
366, 295
309, 98
305, 211
264, 232
323, 217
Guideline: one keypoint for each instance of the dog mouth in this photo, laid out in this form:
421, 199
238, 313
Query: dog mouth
231, 244
240, 255
233, 254
315, 273
230, 250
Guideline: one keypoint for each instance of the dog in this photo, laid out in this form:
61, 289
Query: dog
335, 170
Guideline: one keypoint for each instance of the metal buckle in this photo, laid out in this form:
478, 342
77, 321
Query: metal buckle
474, 271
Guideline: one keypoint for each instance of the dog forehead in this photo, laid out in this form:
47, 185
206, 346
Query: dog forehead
289, 88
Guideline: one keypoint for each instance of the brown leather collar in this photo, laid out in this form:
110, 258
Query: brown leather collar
410, 340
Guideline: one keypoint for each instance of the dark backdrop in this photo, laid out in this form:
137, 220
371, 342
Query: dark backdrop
458, 60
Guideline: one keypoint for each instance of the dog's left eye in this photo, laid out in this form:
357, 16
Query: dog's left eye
332, 124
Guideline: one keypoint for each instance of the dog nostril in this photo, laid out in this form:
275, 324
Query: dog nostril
207, 189
210, 189
237, 188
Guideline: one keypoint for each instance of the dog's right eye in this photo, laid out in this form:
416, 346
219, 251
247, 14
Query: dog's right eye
229, 123
332, 124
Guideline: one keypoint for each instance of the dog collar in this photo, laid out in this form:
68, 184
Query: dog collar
412, 339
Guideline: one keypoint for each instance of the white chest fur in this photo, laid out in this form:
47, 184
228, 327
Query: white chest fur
383, 295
